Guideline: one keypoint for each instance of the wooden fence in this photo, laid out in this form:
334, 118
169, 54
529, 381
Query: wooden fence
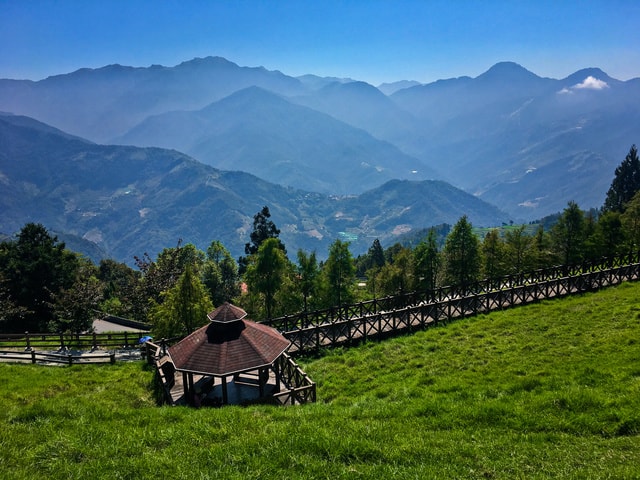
77, 341
389, 316
67, 359
303, 320
299, 387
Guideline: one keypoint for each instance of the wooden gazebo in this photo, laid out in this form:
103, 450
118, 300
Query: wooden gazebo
230, 360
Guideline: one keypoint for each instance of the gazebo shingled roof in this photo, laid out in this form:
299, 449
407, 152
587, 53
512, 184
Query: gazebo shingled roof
227, 313
229, 344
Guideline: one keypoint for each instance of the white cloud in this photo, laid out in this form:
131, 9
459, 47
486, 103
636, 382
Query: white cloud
589, 83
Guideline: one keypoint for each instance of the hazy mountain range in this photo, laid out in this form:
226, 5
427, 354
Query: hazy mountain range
132, 200
516, 140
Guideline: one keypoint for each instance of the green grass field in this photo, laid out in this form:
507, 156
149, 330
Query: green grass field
549, 390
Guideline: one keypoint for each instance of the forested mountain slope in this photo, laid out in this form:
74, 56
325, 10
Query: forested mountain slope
131, 200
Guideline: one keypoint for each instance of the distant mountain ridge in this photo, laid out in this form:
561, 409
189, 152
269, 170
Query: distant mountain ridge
527, 143
132, 200
257, 131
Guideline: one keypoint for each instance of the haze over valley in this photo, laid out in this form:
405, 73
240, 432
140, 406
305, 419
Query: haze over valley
508, 137
345, 128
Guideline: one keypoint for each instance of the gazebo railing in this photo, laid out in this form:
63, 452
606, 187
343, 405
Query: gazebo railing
299, 387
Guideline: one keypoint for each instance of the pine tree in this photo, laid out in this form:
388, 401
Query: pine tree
462, 254
427, 262
35, 268
308, 272
266, 271
338, 275
567, 235
625, 184
493, 255
184, 308
263, 229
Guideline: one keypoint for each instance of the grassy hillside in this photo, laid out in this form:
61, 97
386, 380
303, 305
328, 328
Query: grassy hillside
550, 390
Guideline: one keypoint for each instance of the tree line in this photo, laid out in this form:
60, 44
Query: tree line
46, 287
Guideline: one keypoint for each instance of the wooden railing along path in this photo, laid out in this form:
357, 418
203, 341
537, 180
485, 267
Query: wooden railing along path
349, 324
64, 341
62, 358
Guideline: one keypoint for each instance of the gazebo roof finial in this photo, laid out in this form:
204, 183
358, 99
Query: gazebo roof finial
227, 313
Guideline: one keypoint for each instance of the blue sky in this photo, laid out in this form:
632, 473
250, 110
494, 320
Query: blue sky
375, 40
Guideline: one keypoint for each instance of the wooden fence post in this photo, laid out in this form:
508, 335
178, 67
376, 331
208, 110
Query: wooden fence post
33, 356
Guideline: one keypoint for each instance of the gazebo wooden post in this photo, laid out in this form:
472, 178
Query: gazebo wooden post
185, 385
261, 381
191, 390
278, 370
225, 396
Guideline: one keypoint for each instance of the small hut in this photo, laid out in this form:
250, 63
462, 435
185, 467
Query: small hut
230, 360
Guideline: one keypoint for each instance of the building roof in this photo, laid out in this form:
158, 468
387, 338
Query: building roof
226, 346
227, 313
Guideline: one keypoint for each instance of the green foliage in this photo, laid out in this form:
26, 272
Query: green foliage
567, 235
549, 390
220, 274
518, 250
263, 229
35, 268
266, 271
493, 256
427, 263
625, 184
119, 287
607, 237
373, 259
462, 255
338, 275
309, 274
631, 223
184, 308
161, 275
397, 276
74, 307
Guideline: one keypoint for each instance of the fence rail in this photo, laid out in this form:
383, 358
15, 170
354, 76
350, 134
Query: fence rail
63, 341
305, 320
67, 359
299, 387
445, 305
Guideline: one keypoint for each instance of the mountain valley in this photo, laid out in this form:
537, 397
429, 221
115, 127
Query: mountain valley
135, 158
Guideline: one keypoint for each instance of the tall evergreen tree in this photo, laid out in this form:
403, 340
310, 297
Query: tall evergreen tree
308, 272
220, 274
338, 275
265, 273
631, 224
162, 274
462, 255
567, 235
493, 255
74, 307
625, 184
517, 250
376, 255
397, 277
263, 229
35, 267
184, 308
426, 262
